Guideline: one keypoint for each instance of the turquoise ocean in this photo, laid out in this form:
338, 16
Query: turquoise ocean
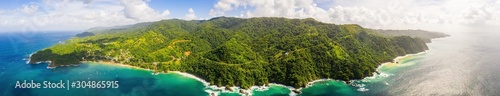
410, 76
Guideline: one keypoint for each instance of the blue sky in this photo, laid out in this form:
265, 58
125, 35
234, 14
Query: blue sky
79, 15
180, 7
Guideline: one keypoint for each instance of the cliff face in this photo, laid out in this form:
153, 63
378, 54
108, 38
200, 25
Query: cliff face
241, 52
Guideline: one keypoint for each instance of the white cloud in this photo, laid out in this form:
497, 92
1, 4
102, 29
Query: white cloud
386, 14
483, 14
87, 1
77, 15
190, 15
223, 6
165, 13
139, 10
29, 9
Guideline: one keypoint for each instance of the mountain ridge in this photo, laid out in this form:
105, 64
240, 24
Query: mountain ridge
228, 51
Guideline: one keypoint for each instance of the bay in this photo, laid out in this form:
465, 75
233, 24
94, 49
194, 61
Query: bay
464, 64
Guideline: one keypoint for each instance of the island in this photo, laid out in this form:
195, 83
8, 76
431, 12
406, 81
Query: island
228, 51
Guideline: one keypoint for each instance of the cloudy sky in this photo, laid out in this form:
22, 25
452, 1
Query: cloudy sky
78, 15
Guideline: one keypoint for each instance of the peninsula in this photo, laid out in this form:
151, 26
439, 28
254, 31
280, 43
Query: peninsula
228, 51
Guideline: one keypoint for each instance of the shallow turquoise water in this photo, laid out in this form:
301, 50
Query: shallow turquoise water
132, 82
330, 87
273, 91
138, 82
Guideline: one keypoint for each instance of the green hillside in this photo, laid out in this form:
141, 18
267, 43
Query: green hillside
426, 36
240, 52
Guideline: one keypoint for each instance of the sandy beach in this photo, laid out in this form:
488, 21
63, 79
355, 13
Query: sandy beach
396, 62
115, 64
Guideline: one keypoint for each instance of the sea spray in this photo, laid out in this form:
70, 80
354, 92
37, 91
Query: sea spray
191, 76
215, 90
361, 84
379, 75
210, 89
28, 59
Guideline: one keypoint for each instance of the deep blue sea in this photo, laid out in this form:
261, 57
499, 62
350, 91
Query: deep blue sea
463, 64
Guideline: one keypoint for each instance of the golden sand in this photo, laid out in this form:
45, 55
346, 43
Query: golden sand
114, 64
391, 65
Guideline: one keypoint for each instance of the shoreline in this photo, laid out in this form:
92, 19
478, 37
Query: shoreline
395, 62
210, 89
115, 64
236, 89
377, 73
213, 90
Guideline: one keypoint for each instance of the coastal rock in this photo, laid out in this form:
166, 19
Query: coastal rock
243, 92
229, 88
212, 94
296, 91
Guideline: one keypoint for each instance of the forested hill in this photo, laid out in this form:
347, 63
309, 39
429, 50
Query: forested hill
422, 34
241, 52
